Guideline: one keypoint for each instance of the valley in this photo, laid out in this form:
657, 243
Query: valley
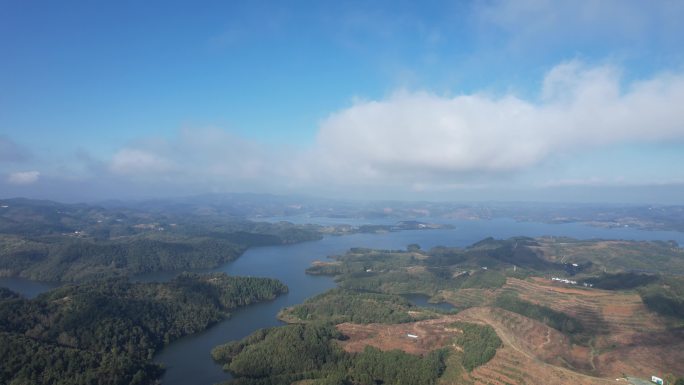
547, 329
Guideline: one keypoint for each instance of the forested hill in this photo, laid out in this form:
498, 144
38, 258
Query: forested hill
106, 332
51, 241
487, 263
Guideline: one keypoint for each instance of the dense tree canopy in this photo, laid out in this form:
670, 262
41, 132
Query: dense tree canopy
665, 297
107, 331
49, 241
281, 355
340, 305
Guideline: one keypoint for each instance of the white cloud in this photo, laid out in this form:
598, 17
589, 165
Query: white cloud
419, 134
423, 141
23, 178
204, 156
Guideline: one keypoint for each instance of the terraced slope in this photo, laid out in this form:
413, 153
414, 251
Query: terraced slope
626, 337
620, 335
614, 255
615, 317
464, 298
514, 367
532, 353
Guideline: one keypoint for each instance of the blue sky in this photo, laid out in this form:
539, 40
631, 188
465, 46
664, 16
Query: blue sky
459, 100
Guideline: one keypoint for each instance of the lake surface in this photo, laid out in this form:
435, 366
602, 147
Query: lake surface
424, 301
26, 287
188, 360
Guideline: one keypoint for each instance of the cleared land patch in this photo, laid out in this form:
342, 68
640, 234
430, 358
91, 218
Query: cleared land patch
622, 336
625, 336
431, 335
615, 255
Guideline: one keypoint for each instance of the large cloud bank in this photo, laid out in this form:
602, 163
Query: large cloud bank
421, 137
419, 133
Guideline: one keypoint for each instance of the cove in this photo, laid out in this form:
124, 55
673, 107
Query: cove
422, 300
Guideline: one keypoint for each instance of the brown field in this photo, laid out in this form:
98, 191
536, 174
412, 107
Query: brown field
511, 366
432, 334
615, 316
532, 353
614, 255
512, 363
627, 339
552, 356
533, 338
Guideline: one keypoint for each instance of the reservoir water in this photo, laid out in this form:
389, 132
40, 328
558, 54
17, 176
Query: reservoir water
26, 287
423, 301
188, 361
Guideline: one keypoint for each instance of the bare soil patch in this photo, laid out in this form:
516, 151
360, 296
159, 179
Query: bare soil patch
431, 334
627, 339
